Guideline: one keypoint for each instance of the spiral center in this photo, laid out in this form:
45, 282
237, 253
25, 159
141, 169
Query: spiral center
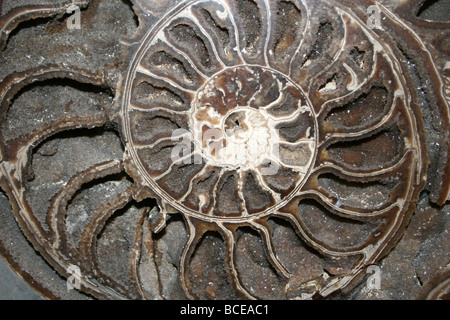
237, 116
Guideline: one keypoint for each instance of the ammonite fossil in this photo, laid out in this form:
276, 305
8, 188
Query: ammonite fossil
258, 149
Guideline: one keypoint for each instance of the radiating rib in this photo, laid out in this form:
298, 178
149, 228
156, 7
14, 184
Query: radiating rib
360, 85
185, 56
230, 237
339, 210
145, 71
135, 256
354, 83
137, 249
165, 173
240, 192
161, 140
268, 31
211, 42
15, 170
277, 120
236, 34
274, 103
20, 157
159, 108
275, 195
303, 232
307, 29
266, 235
341, 136
300, 141
214, 190
335, 58
206, 167
353, 175
15, 82
20, 149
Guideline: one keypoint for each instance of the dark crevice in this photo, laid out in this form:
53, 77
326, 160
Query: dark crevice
30, 24
148, 92
166, 62
322, 43
56, 83
276, 222
435, 10
135, 17
366, 109
256, 255
117, 177
222, 32
379, 150
210, 253
65, 82
77, 133
55, 21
